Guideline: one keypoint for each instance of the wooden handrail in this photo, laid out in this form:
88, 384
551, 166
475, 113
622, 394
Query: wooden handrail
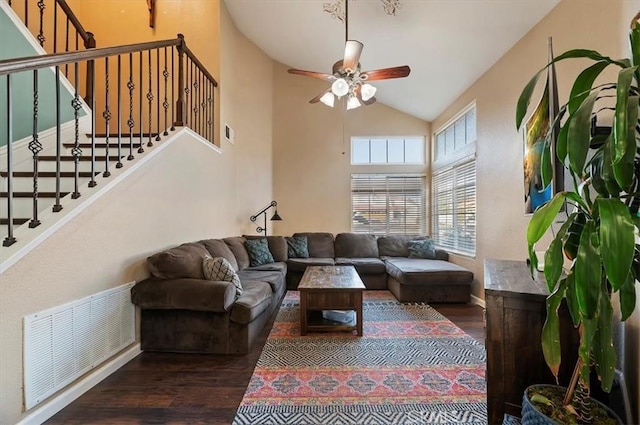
199, 64
87, 37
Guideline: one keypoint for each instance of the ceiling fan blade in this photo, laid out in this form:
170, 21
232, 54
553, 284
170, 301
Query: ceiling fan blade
317, 98
352, 52
387, 73
320, 75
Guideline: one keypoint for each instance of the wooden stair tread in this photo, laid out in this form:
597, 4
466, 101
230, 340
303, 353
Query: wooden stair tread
30, 194
123, 145
15, 220
48, 174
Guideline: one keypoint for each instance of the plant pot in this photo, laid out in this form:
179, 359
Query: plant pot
532, 416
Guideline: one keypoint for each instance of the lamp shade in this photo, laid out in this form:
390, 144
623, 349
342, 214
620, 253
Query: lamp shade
353, 103
327, 99
276, 217
367, 91
340, 87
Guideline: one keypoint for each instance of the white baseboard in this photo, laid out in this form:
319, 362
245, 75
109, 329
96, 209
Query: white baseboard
66, 397
478, 301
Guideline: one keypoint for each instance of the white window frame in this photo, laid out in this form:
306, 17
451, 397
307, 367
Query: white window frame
386, 139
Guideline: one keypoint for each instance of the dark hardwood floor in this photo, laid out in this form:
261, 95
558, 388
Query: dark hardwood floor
158, 388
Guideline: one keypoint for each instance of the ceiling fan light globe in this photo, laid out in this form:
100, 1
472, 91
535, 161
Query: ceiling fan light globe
353, 103
340, 87
327, 99
367, 91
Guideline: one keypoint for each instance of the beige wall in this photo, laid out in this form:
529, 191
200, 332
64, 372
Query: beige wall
312, 154
187, 192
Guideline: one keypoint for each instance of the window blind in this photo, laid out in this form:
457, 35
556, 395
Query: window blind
454, 207
388, 204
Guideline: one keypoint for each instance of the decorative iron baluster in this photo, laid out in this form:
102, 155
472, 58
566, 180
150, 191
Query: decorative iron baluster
92, 94
187, 92
107, 117
41, 37
173, 90
55, 32
158, 94
119, 163
66, 45
76, 151
26, 13
150, 100
210, 101
180, 105
9, 239
130, 122
57, 207
195, 96
35, 147
203, 116
140, 148
165, 104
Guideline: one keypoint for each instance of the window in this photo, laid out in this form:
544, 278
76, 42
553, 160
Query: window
385, 204
387, 150
454, 185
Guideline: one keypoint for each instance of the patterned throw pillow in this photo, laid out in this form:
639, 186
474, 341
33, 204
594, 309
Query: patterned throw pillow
422, 249
297, 247
258, 250
220, 268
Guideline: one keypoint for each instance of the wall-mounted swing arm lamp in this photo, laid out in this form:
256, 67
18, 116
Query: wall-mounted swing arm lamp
263, 211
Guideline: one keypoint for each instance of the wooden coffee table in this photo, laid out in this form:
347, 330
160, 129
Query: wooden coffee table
330, 288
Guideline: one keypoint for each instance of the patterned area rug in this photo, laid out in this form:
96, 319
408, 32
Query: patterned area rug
412, 366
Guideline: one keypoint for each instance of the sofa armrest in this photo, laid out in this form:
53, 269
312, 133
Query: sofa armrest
441, 254
184, 294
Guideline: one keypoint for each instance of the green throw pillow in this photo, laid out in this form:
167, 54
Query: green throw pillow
220, 268
422, 249
297, 247
259, 253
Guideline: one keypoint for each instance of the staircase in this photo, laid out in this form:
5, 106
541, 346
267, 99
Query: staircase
149, 89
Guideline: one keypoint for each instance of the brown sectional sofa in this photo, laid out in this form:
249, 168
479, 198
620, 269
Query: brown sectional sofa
183, 312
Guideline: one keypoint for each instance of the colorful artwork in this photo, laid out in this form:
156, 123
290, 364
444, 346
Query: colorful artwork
536, 130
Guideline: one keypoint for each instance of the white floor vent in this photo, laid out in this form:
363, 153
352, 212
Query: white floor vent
64, 342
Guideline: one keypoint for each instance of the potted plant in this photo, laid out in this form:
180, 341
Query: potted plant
599, 235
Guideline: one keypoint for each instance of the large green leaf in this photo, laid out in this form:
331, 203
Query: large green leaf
525, 99
572, 301
607, 168
579, 134
616, 240
588, 271
628, 297
589, 327
546, 165
604, 354
623, 165
597, 178
553, 258
573, 237
543, 217
583, 84
561, 141
551, 330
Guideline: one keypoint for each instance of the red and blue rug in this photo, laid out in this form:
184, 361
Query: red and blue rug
412, 366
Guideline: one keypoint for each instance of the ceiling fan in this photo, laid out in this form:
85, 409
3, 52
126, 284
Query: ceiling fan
347, 78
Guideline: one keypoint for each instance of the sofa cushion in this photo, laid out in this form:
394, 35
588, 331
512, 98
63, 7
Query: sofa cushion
258, 250
396, 245
363, 265
277, 246
297, 247
218, 248
354, 245
320, 245
220, 268
183, 294
276, 279
278, 266
236, 245
416, 271
255, 299
422, 249
184, 261
300, 264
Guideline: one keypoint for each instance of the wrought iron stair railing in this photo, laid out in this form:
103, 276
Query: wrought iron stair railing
146, 89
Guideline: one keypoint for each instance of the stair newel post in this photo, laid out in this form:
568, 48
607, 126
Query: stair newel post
158, 94
92, 77
130, 122
119, 99
90, 43
76, 152
57, 207
181, 87
9, 239
35, 147
150, 99
173, 89
140, 115
107, 117
165, 104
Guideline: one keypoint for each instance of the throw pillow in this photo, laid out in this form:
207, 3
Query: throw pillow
220, 268
422, 249
258, 250
297, 247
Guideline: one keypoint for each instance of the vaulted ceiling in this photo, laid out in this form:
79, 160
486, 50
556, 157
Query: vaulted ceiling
447, 43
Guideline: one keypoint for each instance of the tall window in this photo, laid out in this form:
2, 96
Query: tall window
454, 185
387, 150
385, 204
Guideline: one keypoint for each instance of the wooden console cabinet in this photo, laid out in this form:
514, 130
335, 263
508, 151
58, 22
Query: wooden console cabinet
515, 314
